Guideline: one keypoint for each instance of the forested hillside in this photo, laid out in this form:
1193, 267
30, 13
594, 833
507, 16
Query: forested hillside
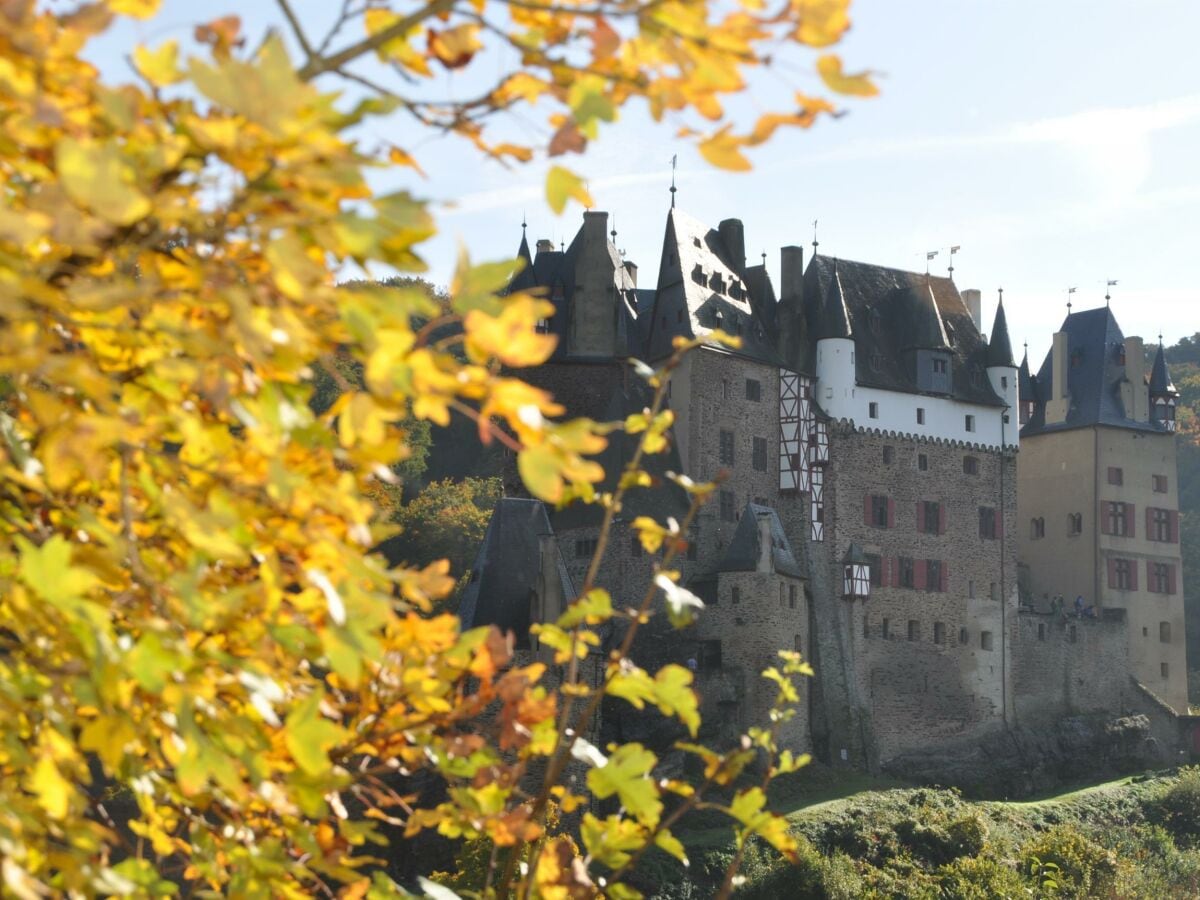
1184, 360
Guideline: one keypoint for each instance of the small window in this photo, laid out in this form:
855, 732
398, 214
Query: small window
931, 517
1037, 528
1164, 632
987, 523
985, 640
1004, 382
873, 410
586, 547
933, 575
940, 365
725, 389
920, 415
1123, 574
970, 423
1074, 524
735, 596
727, 513
1116, 475
726, 450
1160, 578
1160, 483
922, 462
791, 596
914, 630
939, 632
876, 362
1160, 524
1041, 631
889, 454
963, 637
1164, 670
994, 591
1116, 518
970, 465
971, 589
759, 454
753, 389
907, 571
879, 510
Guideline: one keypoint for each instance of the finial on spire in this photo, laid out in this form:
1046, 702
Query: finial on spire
1001, 292
816, 243
1108, 290
929, 256
953, 250
523, 222
614, 229
562, 246
1070, 291
764, 256
674, 160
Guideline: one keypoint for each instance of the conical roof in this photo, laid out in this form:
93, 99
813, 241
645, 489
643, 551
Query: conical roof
835, 318
999, 347
1025, 386
745, 548
1160, 377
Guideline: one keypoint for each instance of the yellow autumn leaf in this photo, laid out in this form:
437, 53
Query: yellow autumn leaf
160, 67
53, 791
724, 151
822, 22
398, 50
857, 85
563, 184
138, 9
455, 46
98, 178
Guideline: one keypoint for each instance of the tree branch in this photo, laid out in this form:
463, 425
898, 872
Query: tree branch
319, 65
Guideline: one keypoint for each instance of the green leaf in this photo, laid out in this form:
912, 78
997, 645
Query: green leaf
561, 185
47, 569
674, 696
592, 608
152, 663
539, 470
627, 774
310, 736
664, 840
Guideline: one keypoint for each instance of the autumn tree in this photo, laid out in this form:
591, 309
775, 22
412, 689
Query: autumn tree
192, 619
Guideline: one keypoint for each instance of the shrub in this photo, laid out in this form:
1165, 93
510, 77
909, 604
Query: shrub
1084, 867
979, 878
1178, 808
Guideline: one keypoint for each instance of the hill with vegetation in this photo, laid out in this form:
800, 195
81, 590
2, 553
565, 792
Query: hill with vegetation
1137, 837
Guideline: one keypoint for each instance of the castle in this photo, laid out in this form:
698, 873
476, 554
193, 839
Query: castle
901, 502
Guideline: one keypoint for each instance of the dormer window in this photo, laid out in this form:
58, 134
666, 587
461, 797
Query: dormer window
875, 321
717, 283
735, 290
876, 362
940, 365
698, 275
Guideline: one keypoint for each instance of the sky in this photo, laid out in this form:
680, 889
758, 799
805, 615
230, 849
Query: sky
1054, 141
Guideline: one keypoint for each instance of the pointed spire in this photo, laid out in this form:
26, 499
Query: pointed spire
523, 250
999, 347
835, 318
1160, 377
1024, 381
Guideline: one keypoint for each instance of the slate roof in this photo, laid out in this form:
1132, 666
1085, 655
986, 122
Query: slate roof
1094, 375
1000, 348
891, 313
552, 274
1160, 377
743, 552
1026, 385
506, 569
702, 287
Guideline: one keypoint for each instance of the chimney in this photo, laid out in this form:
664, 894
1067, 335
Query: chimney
1135, 372
791, 272
973, 300
1056, 406
595, 226
548, 600
545, 245
733, 236
766, 549
631, 268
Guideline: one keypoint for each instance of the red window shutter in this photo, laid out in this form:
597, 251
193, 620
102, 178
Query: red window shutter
919, 574
941, 518
1133, 572
1112, 572
945, 577
867, 510
1150, 536
891, 512
1130, 520
920, 516
1174, 525
1170, 579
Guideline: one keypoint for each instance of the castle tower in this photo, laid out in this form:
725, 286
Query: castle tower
1098, 496
1002, 371
1163, 395
835, 350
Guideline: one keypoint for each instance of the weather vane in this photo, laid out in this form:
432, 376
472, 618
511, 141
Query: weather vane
816, 243
1070, 291
932, 254
1112, 283
674, 160
953, 250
